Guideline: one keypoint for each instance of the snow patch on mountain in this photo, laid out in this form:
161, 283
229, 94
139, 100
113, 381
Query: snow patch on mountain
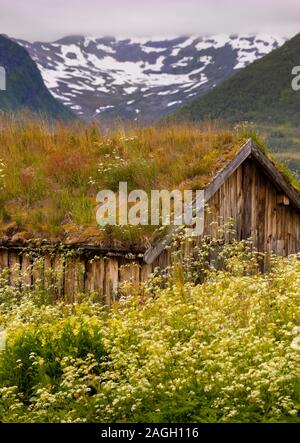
92, 75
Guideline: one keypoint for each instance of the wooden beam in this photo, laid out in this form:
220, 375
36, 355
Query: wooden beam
228, 170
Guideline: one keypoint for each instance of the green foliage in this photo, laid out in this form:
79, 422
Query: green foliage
261, 92
25, 88
219, 350
36, 351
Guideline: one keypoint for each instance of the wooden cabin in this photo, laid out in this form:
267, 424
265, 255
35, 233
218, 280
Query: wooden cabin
249, 189
252, 192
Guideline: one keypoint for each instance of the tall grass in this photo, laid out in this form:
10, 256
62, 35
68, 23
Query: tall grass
50, 173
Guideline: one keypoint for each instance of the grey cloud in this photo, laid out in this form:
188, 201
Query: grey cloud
52, 19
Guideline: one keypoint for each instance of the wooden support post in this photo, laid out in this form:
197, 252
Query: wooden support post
14, 267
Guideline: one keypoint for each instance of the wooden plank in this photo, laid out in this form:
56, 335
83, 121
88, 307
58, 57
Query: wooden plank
239, 203
256, 203
48, 268
129, 271
146, 271
14, 267
79, 275
3, 258
99, 275
94, 276
274, 227
280, 247
270, 218
58, 276
111, 280
26, 269
247, 195
74, 279
38, 272
259, 220
88, 282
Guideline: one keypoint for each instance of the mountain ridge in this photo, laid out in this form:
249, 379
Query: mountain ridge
25, 88
261, 92
141, 78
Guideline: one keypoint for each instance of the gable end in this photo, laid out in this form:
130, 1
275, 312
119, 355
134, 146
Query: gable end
248, 150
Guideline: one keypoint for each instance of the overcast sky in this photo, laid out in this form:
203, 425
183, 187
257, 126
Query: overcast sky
51, 19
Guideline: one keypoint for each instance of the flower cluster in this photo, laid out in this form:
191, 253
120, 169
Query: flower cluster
222, 350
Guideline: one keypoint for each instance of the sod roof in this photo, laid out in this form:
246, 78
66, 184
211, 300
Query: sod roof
50, 175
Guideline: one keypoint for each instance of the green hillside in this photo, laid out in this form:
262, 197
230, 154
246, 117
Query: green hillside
260, 93
25, 88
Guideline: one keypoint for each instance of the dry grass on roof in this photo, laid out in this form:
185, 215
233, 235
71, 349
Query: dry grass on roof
50, 174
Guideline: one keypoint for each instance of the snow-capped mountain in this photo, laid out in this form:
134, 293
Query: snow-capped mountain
141, 78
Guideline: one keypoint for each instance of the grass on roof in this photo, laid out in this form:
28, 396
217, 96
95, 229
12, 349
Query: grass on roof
50, 175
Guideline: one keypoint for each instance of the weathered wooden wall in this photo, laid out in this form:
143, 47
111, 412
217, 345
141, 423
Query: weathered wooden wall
70, 276
258, 209
247, 197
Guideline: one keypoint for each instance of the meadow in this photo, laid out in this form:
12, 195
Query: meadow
225, 349
51, 173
